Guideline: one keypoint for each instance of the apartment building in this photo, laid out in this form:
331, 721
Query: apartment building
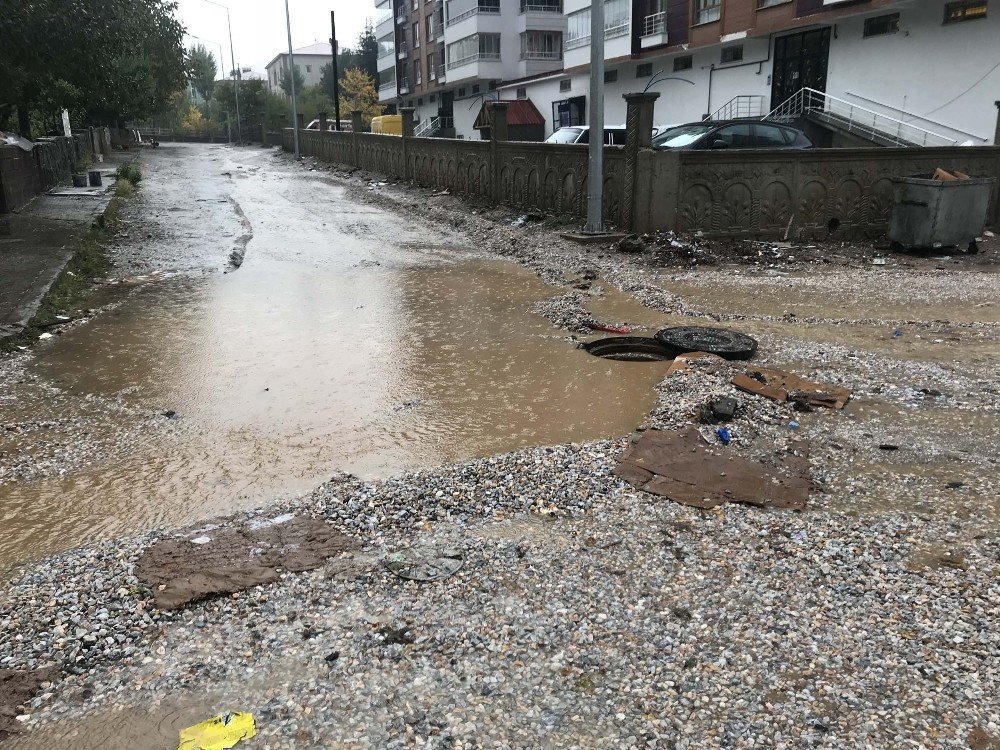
309, 60
929, 68
446, 57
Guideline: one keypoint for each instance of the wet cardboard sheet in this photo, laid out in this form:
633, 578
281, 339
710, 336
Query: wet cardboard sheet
214, 561
780, 385
678, 465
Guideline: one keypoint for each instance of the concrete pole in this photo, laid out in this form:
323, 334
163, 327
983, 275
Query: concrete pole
291, 76
595, 170
996, 135
236, 80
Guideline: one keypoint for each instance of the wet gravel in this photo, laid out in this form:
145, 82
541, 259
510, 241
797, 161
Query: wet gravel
587, 614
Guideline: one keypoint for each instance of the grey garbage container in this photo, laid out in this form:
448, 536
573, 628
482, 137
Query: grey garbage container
928, 213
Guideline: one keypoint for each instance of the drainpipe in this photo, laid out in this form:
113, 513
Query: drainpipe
712, 69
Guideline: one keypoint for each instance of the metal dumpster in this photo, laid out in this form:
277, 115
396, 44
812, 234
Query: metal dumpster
929, 213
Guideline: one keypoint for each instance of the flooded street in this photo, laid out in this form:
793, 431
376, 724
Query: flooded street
349, 340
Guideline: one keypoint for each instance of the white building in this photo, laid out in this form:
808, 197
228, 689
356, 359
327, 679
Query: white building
309, 60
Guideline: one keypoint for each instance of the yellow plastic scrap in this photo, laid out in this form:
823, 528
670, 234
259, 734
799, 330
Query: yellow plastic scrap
219, 733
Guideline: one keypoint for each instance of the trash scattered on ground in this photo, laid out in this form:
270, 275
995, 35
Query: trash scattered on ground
888, 447
608, 328
44, 336
679, 466
17, 686
720, 341
793, 425
897, 334
722, 409
235, 558
682, 361
879, 261
219, 733
724, 435
404, 405
780, 385
629, 349
631, 244
424, 563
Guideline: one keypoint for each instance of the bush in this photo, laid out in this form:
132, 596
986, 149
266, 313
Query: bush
124, 187
129, 172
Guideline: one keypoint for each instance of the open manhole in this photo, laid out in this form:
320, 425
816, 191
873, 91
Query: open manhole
630, 349
721, 341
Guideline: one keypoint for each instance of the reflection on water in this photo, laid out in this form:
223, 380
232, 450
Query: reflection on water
282, 375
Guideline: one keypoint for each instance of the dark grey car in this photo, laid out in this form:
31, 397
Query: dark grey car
731, 134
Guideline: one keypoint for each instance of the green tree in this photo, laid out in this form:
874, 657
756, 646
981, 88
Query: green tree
367, 51
357, 91
202, 70
286, 80
104, 60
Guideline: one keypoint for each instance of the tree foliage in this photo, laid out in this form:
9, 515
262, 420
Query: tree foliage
202, 70
105, 60
363, 57
357, 91
287, 77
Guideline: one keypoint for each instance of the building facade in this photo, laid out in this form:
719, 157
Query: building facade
928, 67
309, 60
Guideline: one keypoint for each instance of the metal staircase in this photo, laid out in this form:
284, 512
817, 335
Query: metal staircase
744, 105
433, 126
839, 114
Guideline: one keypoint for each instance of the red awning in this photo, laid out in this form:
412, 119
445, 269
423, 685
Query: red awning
519, 112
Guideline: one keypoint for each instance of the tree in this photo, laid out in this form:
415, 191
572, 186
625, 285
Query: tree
202, 70
286, 80
368, 51
357, 91
104, 60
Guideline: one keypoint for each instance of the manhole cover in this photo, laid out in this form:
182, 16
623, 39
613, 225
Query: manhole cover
720, 341
630, 349
424, 563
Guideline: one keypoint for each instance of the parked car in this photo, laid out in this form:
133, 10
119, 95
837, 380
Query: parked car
731, 134
614, 135
345, 125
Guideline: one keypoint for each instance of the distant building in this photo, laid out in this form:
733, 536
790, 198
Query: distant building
309, 60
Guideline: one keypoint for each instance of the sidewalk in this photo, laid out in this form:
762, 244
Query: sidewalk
37, 242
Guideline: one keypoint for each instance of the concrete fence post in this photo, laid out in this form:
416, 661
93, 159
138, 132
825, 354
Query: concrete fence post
638, 136
357, 128
300, 121
322, 121
407, 115
496, 113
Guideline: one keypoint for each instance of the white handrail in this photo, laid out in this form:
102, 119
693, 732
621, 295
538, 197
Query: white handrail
856, 119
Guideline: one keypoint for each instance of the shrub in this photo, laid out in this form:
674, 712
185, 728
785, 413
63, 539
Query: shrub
129, 172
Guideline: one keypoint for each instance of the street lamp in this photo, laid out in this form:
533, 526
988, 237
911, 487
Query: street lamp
236, 72
291, 78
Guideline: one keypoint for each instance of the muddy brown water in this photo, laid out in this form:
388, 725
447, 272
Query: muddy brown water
308, 360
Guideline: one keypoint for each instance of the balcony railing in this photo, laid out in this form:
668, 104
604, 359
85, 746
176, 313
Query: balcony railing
470, 13
386, 52
404, 85
655, 24
620, 28
390, 86
541, 55
439, 72
480, 56
541, 7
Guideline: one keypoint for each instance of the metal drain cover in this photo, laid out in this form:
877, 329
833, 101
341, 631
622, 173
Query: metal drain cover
721, 341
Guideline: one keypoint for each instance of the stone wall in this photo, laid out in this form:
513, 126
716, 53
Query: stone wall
773, 193
19, 177
801, 193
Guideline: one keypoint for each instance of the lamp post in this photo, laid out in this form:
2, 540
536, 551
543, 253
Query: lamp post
291, 78
595, 168
236, 71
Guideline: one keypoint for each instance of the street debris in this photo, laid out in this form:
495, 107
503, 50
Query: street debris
608, 328
17, 686
720, 341
219, 733
718, 410
631, 244
196, 566
682, 361
781, 386
677, 465
424, 563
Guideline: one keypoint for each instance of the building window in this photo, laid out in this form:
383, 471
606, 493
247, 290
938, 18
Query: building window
707, 11
521, 93
309, 68
473, 47
461, 93
420, 102
416, 35
416, 73
616, 14
429, 28
772, 3
432, 98
386, 46
610, 76
431, 73
416, 5
492, 85
879, 25
684, 62
566, 84
475, 88
732, 54
964, 10
645, 70
541, 45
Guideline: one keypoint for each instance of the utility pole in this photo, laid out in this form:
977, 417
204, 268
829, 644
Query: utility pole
291, 77
595, 167
336, 72
236, 71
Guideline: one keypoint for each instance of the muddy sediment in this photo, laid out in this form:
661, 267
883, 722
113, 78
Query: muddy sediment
587, 612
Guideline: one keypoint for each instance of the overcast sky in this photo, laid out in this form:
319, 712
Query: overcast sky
259, 31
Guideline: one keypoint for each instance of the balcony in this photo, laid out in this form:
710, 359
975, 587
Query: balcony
479, 56
470, 13
402, 50
538, 6
439, 73
619, 28
654, 30
404, 85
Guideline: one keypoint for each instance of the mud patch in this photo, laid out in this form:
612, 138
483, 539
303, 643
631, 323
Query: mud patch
240, 248
16, 688
212, 561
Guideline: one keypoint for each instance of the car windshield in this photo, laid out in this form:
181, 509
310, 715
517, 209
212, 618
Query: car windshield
564, 135
682, 135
